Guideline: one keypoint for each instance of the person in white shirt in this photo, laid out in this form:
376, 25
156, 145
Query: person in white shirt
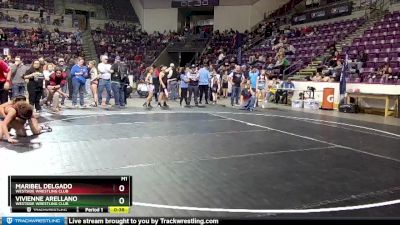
104, 69
68, 40
290, 50
172, 82
48, 70
193, 85
221, 57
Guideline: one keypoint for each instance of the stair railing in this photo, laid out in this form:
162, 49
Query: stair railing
297, 63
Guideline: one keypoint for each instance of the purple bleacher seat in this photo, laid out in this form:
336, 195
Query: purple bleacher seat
395, 59
352, 48
394, 64
375, 50
393, 54
387, 50
370, 65
396, 70
380, 64
396, 45
383, 55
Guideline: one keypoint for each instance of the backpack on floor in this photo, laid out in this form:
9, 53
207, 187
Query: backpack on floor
349, 108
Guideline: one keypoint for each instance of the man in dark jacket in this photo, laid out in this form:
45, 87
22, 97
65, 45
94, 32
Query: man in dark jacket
118, 76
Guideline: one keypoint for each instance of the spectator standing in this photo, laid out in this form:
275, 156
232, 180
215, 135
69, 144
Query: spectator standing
156, 82
184, 85
362, 58
5, 81
35, 85
253, 75
225, 82
221, 57
281, 62
215, 87
66, 71
119, 73
18, 70
261, 87
217, 76
79, 73
48, 69
236, 79
163, 78
150, 87
105, 71
336, 71
193, 86
290, 49
94, 81
245, 72
172, 81
204, 81
71, 63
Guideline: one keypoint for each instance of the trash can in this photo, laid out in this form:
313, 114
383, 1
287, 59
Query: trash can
328, 98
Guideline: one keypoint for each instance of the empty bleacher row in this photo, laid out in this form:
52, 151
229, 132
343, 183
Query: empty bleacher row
381, 44
309, 46
325, 35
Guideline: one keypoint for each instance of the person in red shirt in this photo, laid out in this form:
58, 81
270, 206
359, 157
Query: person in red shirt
138, 59
5, 81
58, 79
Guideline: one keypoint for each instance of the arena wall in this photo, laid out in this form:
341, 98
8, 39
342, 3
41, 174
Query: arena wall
261, 8
235, 17
160, 20
139, 10
243, 17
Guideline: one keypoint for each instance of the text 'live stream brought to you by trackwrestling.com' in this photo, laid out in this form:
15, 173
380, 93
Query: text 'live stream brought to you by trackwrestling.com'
105, 220
139, 221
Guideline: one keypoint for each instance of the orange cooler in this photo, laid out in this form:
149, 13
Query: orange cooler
328, 98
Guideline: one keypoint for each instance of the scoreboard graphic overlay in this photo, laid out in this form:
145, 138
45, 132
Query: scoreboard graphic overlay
77, 194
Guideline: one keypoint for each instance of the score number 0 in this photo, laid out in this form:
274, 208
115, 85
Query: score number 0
121, 188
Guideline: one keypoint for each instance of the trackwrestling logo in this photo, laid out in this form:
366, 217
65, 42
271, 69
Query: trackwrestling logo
33, 220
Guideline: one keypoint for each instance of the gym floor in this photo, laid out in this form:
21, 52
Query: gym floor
222, 162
